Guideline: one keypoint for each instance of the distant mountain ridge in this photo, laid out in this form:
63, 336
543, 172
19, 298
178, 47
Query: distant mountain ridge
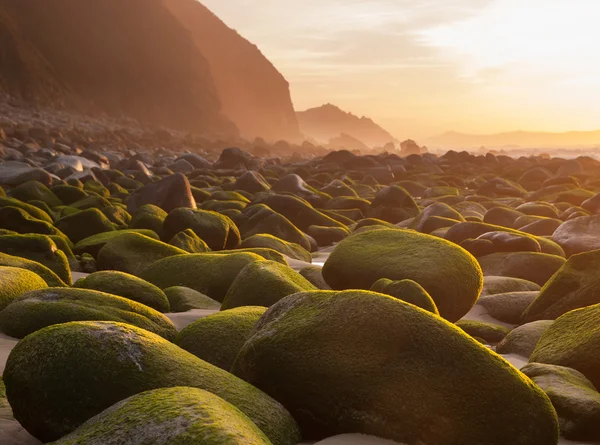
330, 122
522, 139
167, 62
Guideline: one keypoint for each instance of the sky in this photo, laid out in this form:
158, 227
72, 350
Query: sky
424, 67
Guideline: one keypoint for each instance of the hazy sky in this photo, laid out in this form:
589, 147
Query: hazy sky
422, 67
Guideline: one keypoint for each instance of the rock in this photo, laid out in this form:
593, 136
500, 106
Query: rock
149, 217
523, 339
592, 204
511, 242
319, 342
200, 417
15, 281
190, 242
15, 173
108, 362
219, 338
94, 243
46, 274
32, 210
133, 253
169, 194
264, 283
530, 266
286, 248
300, 212
575, 399
315, 276
183, 299
579, 235
408, 291
196, 160
508, 307
447, 272
489, 332
493, 285
393, 204
218, 231
252, 182
35, 191
126, 286
218, 272
573, 340
84, 224
326, 236
20, 221
181, 166
37, 309
574, 286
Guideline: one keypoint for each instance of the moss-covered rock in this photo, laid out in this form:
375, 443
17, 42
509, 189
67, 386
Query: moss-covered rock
326, 236
263, 284
573, 340
314, 274
37, 309
508, 307
408, 291
94, 243
393, 204
189, 241
574, 397
84, 224
35, 191
54, 390
574, 286
218, 231
180, 415
149, 217
491, 333
286, 248
38, 248
217, 272
530, 266
18, 220
46, 274
117, 215
219, 338
126, 286
31, 209
15, 281
183, 299
447, 272
328, 356
132, 253
493, 285
523, 339
68, 194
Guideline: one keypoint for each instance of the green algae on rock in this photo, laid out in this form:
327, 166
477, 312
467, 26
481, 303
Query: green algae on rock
15, 281
288, 249
94, 243
84, 224
491, 333
338, 362
183, 299
46, 274
179, 415
408, 291
54, 390
447, 272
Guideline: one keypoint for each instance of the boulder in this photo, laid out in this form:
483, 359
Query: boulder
94, 243
126, 286
447, 272
190, 242
218, 231
315, 276
523, 339
264, 283
530, 266
183, 299
84, 224
579, 235
493, 285
46, 274
508, 307
490, 333
219, 338
309, 352
149, 217
15, 281
292, 250
408, 291
169, 194
35, 191
252, 182
54, 390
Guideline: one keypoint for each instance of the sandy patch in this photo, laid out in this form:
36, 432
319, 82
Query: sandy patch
479, 313
183, 319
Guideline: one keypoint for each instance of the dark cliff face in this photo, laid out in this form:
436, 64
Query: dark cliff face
255, 96
124, 57
328, 121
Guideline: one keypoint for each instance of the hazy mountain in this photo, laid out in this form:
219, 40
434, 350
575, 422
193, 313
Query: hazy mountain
254, 94
521, 139
328, 122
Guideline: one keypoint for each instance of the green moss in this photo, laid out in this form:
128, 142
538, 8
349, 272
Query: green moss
84, 224
180, 415
39, 248
132, 253
149, 217
574, 286
229, 196
15, 281
221, 206
117, 215
32, 210
53, 390
219, 338
35, 191
491, 333
328, 355
447, 272
37, 309
96, 187
183, 299
91, 202
189, 241
408, 291
20, 221
218, 231
126, 286
500, 285
288, 249
94, 243
217, 272
267, 254
68, 194
263, 284
326, 236
46, 274
535, 267
573, 340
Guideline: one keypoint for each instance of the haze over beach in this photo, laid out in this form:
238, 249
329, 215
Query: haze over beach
267, 222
